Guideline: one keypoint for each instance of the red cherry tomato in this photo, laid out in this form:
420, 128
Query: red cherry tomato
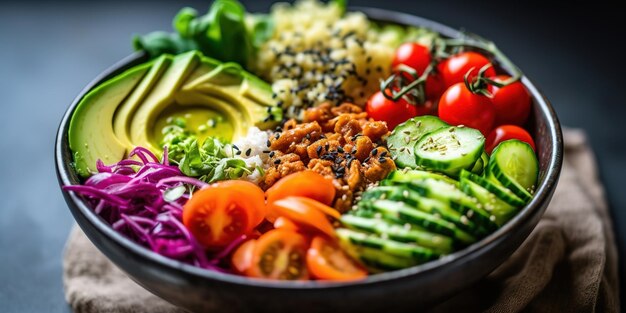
434, 87
512, 102
412, 55
453, 70
459, 106
382, 109
507, 132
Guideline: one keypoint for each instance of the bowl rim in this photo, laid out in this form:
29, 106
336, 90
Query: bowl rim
543, 192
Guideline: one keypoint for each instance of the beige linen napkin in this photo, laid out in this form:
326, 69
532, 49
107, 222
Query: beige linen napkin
567, 264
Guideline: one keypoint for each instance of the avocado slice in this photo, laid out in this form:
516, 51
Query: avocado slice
121, 114
125, 112
91, 135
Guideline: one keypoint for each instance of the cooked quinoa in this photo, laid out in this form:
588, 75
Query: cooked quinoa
317, 54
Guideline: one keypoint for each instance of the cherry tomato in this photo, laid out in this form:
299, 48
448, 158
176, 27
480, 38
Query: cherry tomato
453, 69
512, 102
307, 184
434, 87
459, 106
242, 258
302, 213
223, 211
507, 132
326, 260
382, 109
412, 55
285, 223
280, 254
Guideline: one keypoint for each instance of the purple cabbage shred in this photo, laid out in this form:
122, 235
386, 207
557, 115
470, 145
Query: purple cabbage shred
129, 195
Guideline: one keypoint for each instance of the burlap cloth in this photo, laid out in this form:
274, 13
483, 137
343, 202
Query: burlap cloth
567, 264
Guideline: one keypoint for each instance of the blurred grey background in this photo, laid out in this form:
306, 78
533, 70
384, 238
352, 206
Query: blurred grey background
50, 50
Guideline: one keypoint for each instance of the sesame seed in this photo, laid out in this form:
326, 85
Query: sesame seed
277, 161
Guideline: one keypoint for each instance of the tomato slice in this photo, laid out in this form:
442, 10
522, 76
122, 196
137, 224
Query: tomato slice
280, 254
326, 260
242, 258
302, 212
221, 212
321, 207
284, 223
307, 184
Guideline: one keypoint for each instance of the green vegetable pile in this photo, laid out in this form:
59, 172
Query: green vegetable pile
209, 161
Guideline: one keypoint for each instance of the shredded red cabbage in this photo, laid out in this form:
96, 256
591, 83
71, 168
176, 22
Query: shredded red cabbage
130, 196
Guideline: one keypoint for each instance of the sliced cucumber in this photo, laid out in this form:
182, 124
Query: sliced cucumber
481, 164
427, 205
408, 214
391, 247
514, 164
457, 199
449, 149
402, 233
408, 176
501, 212
402, 139
378, 261
504, 194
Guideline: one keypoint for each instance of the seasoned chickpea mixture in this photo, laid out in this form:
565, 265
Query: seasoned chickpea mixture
339, 142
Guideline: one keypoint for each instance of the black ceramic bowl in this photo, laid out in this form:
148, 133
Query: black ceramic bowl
198, 290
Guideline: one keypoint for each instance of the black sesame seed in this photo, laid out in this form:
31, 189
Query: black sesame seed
235, 147
366, 159
326, 147
383, 154
308, 136
374, 152
268, 143
277, 161
248, 151
379, 69
340, 149
238, 152
272, 153
266, 151
318, 150
381, 160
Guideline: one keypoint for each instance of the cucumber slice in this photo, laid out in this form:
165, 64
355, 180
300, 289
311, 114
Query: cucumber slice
514, 164
457, 199
481, 164
449, 149
501, 212
391, 247
402, 233
502, 193
408, 176
402, 139
408, 214
431, 206
377, 261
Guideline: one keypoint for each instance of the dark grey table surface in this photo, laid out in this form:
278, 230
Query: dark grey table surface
50, 50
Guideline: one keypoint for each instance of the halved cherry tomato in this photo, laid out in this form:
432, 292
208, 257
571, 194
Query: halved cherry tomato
223, 211
301, 211
242, 258
453, 69
325, 260
512, 102
459, 106
284, 223
412, 55
280, 254
506, 132
307, 184
394, 113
